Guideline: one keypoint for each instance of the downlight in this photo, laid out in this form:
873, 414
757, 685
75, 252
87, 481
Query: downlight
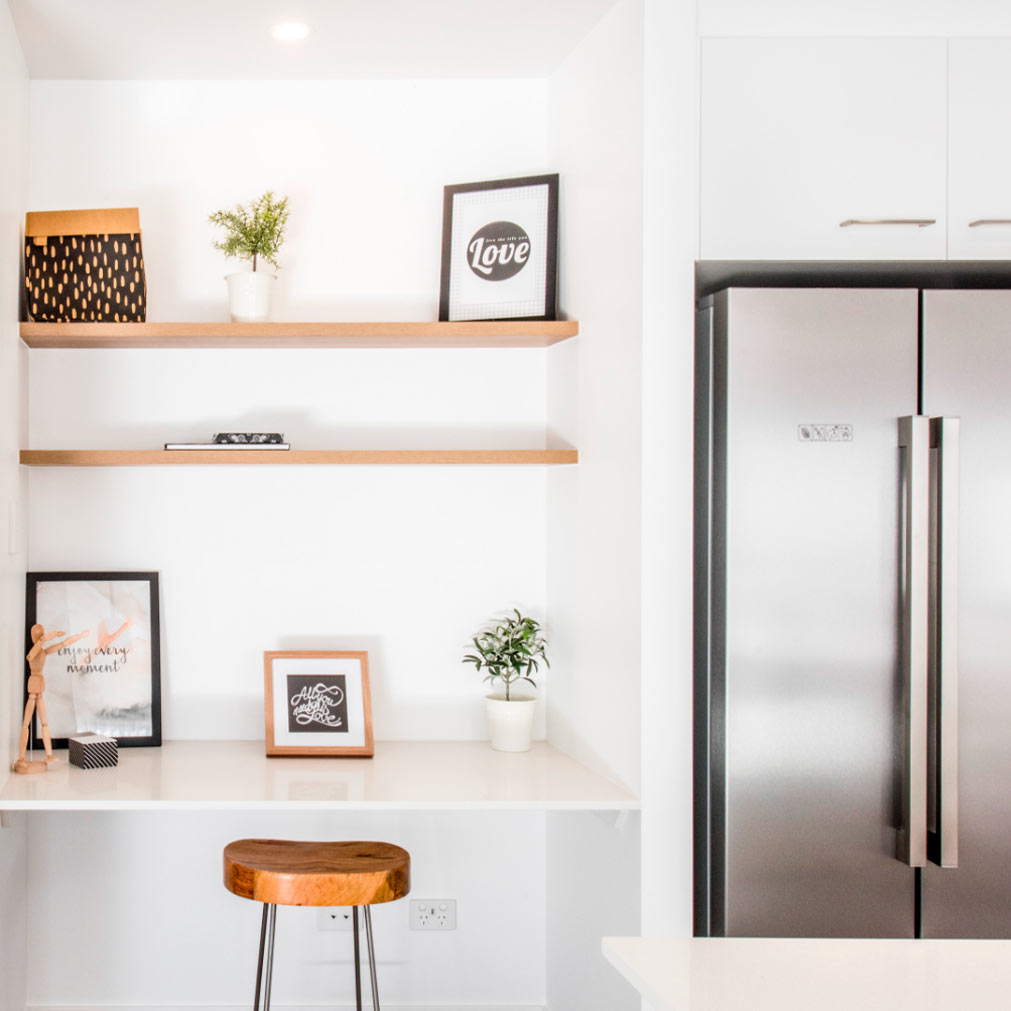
290, 31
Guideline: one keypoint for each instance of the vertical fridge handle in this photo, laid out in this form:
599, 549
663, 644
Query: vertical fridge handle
914, 438
942, 834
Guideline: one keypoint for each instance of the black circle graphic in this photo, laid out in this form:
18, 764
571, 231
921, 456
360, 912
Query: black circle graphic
498, 251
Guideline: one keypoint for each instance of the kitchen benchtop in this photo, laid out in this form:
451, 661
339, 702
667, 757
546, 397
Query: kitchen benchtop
775, 974
403, 776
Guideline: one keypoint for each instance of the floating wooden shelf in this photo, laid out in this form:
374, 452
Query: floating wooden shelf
329, 457
494, 334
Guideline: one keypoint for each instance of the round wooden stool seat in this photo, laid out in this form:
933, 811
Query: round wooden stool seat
287, 873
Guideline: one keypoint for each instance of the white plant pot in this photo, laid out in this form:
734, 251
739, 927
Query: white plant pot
511, 723
249, 295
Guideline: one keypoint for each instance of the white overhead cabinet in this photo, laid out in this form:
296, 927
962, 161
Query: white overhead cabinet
805, 142
979, 159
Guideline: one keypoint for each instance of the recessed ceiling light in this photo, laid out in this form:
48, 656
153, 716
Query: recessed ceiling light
290, 31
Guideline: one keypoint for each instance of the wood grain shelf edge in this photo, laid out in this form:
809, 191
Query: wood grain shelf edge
478, 334
318, 457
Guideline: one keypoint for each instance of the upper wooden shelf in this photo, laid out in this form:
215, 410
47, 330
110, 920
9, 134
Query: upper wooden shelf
495, 334
403, 775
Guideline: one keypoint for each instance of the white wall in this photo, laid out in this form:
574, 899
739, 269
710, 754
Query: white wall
13, 409
14, 893
13, 380
668, 300
363, 162
593, 892
593, 509
594, 388
406, 562
150, 923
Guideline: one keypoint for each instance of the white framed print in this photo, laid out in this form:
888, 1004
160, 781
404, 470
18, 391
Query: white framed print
500, 250
317, 703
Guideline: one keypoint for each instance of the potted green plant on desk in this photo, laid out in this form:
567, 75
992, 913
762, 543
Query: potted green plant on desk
254, 232
510, 650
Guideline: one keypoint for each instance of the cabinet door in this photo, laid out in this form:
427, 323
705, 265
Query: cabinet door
800, 135
979, 158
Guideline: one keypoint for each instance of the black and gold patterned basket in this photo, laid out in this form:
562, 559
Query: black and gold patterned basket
85, 266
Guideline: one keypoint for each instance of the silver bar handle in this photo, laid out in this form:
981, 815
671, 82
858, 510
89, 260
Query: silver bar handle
914, 438
942, 834
917, 222
989, 221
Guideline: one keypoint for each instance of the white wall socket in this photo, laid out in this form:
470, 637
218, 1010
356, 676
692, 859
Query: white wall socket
433, 914
336, 918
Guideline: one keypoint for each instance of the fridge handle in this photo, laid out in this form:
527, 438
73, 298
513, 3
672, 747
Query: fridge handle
914, 438
942, 833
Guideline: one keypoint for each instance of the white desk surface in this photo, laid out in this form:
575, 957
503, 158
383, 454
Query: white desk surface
770, 974
403, 775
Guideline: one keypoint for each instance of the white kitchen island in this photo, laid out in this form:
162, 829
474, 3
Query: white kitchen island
774, 974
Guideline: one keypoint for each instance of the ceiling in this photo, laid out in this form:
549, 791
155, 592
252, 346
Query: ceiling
230, 39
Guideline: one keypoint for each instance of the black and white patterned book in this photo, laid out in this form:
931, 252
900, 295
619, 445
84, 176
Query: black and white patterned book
93, 751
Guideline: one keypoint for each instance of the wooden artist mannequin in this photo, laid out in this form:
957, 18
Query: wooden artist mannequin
36, 686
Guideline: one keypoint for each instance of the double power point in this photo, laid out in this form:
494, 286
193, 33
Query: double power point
433, 914
426, 914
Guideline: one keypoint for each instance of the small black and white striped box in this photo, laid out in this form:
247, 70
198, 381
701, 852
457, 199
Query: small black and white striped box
93, 751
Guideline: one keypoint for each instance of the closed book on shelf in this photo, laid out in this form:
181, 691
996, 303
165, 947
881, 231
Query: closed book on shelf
227, 445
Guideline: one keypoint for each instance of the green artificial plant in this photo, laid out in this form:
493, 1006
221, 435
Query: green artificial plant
510, 650
255, 230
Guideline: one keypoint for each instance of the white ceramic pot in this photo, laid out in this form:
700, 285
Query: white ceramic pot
511, 723
249, 294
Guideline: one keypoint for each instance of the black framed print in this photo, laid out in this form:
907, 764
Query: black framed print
317, 703
95, 638
500, 250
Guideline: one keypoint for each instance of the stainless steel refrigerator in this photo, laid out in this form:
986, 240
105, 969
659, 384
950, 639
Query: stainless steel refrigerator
853, 613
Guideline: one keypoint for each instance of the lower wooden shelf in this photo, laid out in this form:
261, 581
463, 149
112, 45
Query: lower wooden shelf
403, 775
293, 457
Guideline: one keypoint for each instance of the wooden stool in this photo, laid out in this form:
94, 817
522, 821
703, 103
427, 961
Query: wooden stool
280, 872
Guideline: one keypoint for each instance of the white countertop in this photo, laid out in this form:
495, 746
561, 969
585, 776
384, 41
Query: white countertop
772, 974
403, 775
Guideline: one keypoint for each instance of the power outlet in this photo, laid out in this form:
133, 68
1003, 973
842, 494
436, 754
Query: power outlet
433, 914
335, 918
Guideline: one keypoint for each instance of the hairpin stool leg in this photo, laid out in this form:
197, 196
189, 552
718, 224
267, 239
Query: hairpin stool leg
259, 960
358, 963
372, 957
271, 927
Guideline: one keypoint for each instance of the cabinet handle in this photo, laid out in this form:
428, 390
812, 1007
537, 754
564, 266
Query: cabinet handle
918, 222
989, 221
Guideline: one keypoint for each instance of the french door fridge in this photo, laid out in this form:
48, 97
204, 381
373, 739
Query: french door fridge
853, 613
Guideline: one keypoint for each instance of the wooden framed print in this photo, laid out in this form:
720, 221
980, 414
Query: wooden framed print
102, 654
318, 703
499, 250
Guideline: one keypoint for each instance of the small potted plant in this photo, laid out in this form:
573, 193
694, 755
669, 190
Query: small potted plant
510, 650
253, 232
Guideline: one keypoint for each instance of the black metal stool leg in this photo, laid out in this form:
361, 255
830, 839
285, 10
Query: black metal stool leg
270, 957
358, 963
259, 960
372, 957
